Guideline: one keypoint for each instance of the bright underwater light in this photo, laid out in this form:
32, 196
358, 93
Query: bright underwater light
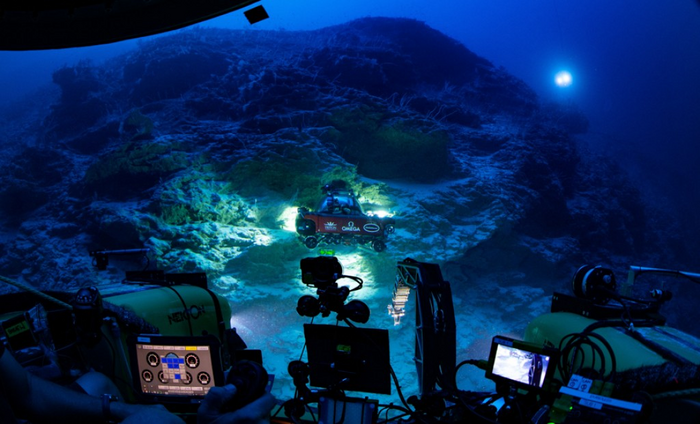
563, 79
353, 264
288, 218
380, 214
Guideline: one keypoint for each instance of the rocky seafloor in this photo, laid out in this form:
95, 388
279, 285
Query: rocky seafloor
197, 146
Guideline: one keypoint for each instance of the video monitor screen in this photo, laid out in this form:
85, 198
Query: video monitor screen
349, 358
522, 364
175, 369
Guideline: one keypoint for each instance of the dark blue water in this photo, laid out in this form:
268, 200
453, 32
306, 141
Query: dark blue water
634, 65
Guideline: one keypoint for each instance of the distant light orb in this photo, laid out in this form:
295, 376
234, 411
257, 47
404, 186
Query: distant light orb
563, 79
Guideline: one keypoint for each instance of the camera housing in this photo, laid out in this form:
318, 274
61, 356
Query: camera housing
322, 273
521, 364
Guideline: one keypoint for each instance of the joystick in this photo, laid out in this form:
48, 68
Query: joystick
250, 379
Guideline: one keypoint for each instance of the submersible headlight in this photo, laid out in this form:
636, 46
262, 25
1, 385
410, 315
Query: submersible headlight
595, 283
661, 295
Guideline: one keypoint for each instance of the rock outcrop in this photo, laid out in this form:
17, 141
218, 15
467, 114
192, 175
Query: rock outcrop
194, 144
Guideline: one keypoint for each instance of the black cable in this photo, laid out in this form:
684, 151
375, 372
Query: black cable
391, 406
278, 411
397, 417
470, 410
626, 315
465, 362
577, 346
303, 349
342, 415
575, 342
613, 360
358, 280
384, 410
313, 416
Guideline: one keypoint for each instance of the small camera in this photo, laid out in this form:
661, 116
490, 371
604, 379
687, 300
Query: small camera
320, 272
